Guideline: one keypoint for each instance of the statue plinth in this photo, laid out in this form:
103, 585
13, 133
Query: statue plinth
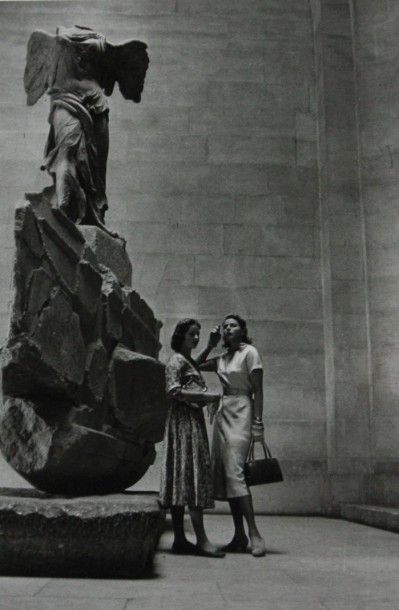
83, 391
111, 536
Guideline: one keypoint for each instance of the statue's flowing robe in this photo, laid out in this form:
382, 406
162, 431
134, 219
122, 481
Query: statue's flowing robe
77, 146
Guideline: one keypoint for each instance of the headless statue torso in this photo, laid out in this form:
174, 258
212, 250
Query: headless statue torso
78, 68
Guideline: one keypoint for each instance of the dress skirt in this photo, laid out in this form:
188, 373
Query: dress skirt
186, 478
230, 446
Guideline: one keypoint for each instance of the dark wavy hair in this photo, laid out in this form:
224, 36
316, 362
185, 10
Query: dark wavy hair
180, 332
243, 325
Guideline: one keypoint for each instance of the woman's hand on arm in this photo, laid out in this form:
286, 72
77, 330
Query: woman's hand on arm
196, 398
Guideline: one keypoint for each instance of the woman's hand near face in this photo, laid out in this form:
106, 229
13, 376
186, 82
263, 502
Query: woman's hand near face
201, 359
214, 337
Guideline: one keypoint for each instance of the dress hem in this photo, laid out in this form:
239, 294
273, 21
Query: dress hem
170, 505
227, 498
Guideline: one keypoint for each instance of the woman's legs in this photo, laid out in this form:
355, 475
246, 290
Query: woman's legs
203, 543
180, 543
240, 540
184, 546
177, 513
242, 507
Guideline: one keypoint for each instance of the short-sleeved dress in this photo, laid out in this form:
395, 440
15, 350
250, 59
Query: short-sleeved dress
186, 478
233, 421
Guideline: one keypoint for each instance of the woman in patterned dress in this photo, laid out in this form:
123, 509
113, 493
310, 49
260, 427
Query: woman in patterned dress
238, 420
186, 478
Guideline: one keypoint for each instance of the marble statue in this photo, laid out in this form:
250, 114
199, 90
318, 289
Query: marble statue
83, 392
78, 68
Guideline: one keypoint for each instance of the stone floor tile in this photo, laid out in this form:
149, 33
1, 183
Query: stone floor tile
18, 585
311, 564
249, 593
52, 603
119, 589
282, 604
177, 601
359, 604
89, 588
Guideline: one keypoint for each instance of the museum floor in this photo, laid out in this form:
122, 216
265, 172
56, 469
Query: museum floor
313, 564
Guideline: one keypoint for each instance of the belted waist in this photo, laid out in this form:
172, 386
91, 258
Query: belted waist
235, 392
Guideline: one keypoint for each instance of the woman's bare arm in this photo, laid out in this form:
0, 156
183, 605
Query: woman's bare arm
256, 379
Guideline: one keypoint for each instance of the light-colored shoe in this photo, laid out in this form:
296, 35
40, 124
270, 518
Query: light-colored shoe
258, 547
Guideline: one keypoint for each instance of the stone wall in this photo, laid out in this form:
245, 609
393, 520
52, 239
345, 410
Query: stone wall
258, 175
376, 51
343, 259
213, 181
356, 69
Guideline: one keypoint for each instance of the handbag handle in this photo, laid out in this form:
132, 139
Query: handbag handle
251, 450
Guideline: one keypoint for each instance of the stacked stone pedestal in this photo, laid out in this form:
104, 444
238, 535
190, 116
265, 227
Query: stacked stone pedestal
83, 392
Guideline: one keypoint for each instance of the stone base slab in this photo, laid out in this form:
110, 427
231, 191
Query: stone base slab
384, 517
113, 536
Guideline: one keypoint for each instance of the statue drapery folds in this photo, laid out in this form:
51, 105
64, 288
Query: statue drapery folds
78, 68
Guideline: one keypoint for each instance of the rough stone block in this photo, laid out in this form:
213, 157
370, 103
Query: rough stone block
70, 311
113, 536
61, 457
25, 373
110, 252
96, 370
137, 390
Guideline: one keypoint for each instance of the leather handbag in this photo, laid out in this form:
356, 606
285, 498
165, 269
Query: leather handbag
263, 471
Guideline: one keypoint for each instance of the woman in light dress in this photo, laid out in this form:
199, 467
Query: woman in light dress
238, 420
186, 478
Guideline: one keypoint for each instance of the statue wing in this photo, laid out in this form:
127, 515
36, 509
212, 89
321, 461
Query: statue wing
126, 64
39, 65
